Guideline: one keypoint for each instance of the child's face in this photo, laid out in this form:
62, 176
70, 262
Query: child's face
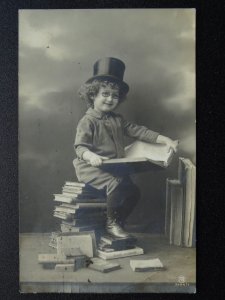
107, 99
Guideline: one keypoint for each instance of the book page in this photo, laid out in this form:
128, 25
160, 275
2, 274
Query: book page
154, 152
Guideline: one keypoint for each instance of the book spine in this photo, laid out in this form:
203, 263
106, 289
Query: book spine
168, 208
118, 254
66, 228
75, 196
64, 210
193, 205
75, 184
63, 216
91, 205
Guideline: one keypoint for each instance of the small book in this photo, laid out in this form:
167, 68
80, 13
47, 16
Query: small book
62, 209
102, 266
141, 156
59, 258
119, 254
63, 215
141, 265
75, 184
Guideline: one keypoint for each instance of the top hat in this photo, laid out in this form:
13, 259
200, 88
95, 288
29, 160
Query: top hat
109, 68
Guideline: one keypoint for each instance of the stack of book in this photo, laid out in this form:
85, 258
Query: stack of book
180, 219
81, 208
110, 247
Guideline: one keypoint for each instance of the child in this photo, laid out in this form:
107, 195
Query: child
100, 136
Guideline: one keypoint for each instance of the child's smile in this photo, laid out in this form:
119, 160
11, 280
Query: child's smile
106, 100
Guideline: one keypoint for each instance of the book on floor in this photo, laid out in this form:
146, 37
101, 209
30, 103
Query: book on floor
86, 242
103, 266
141, 265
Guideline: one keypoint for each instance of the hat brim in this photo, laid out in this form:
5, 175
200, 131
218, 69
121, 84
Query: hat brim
123, 84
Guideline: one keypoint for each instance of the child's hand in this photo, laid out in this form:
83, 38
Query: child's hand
96, 160
172, 145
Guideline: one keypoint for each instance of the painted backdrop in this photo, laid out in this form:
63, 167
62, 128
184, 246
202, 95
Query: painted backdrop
57, 50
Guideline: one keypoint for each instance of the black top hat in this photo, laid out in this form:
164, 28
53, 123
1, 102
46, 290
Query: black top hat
110, 68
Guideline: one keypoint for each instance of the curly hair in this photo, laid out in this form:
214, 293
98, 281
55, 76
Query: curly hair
89, 90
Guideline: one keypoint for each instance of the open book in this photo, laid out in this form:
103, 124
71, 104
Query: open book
142, 156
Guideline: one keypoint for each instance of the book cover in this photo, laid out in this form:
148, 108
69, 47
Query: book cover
84, 241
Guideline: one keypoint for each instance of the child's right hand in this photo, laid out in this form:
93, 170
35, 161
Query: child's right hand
96, 160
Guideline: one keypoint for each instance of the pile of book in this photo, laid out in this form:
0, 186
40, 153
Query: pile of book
110, 247
81, 208
180, 219
75, 250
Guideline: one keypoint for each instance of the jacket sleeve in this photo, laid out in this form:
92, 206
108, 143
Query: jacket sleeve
141, 133
84, 137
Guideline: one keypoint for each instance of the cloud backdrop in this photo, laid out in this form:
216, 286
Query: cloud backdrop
57, 49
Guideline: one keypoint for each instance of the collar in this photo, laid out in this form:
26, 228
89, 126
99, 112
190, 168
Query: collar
97, 114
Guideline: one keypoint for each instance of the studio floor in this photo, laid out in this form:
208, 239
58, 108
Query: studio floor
179, 274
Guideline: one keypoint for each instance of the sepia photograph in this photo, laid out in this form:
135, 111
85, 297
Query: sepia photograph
107, 150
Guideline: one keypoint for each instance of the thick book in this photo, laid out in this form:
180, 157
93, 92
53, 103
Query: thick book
119, 254
141, 156
118, 241
170, 183
86, 241
69, 228
116, 247
187, 176
102, 266
177, 212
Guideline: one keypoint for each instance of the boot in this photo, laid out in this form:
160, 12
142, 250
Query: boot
114, 229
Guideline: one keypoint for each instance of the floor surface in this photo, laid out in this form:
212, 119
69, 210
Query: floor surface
179, 276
